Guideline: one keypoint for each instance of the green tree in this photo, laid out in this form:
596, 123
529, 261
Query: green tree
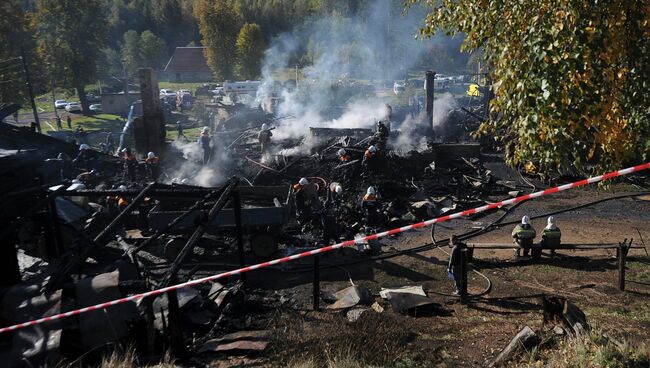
16, 34
145, 50
250, 51
131, 53
72, 34
153, 50
571, 78
219, 25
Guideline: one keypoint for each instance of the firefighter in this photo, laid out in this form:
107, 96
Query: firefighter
370, 207
118, 202
130, 164
204, 141
88, 176
153, 165
383, 131
370, 160
343, 155
264, 138
334, 195
86, 159
453, 268
523, 235
306, 197
551, 235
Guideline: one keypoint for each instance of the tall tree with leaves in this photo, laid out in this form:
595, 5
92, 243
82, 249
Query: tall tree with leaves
72, 34
219, 24
153, 50
16, 37
131, 53
250, 51
571, 78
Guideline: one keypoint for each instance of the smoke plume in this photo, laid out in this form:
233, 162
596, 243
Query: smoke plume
378, 43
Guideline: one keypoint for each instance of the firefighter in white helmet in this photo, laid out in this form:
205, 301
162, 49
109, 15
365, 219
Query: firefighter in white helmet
523, 236
370, 207
306, 199
264, 137
551, 235
370, 162
153, 166
204, 141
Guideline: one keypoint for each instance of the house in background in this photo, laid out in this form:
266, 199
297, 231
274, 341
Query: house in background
187, 64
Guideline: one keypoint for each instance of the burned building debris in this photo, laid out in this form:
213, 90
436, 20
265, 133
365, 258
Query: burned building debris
102, 227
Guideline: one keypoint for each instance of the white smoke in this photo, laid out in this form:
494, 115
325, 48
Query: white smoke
377, 43
441, 108
192, 171
408, 138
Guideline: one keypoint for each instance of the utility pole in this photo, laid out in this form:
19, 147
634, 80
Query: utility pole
30, 89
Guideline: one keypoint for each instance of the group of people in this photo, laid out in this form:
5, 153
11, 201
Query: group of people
88, 160
310, 209
152, 165
523, 236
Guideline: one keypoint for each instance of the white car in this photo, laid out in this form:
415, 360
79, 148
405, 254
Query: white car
167, 92
73, 107
60, 104
97, 108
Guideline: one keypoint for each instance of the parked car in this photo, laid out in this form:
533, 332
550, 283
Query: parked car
73, 107
93, 98
96, 108
60, 104
167, 92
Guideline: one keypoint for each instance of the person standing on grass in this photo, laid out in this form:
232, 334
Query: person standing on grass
69, 120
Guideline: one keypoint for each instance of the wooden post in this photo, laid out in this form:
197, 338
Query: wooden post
463, 275
175, 331
622, 256
236, 200
316, 282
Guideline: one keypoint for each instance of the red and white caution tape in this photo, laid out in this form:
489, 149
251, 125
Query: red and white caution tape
347, 243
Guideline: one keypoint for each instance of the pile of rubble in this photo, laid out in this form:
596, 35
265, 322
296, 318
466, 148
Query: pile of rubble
108, 235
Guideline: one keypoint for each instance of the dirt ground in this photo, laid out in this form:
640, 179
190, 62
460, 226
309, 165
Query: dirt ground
453, 334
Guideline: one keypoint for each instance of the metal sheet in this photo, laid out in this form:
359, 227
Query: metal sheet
406, 297
103, 326
417, 290
349, 297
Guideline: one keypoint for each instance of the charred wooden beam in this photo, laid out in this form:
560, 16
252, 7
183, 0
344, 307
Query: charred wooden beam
200, 230
175, 222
